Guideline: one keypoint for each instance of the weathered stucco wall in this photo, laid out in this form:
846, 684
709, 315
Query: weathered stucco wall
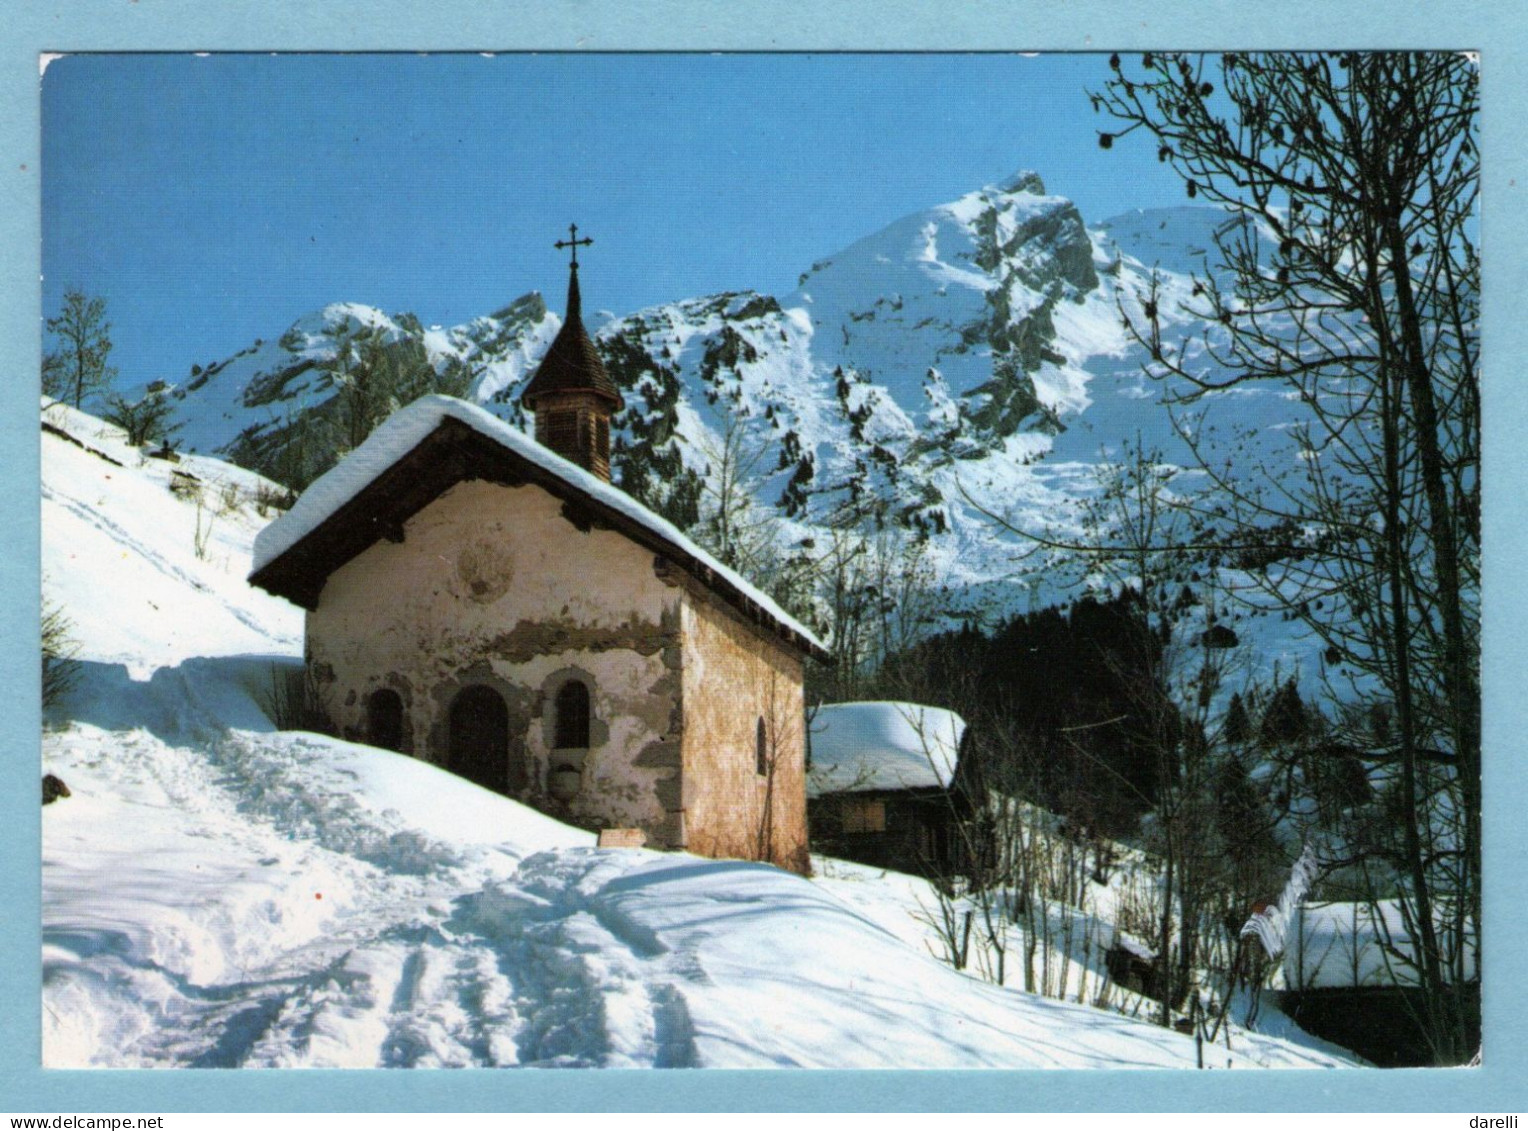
733, 677
493, 586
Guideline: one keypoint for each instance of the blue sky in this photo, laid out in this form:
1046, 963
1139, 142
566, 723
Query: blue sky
212, 200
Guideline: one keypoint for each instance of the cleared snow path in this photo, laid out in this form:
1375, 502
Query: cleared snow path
256, 912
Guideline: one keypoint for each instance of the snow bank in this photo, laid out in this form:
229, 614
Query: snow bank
885, 745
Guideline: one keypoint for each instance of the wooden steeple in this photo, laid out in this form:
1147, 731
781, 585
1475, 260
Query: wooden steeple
571, 394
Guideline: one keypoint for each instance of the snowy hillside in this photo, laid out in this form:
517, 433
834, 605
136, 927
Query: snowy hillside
286, 406
246, 393
175, 538
220, 893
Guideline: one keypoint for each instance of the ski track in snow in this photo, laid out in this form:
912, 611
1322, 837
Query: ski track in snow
529, 969
91, 515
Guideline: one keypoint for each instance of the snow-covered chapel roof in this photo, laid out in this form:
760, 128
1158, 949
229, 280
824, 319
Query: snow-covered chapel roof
422, 450
883, 745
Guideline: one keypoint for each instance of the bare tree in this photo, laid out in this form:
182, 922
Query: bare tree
1141, 534
149, 417
734, 525
1348, 273
374, 377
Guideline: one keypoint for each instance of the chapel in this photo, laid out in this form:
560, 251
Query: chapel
495, 605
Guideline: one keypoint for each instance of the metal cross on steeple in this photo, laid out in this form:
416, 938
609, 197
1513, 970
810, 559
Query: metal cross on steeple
573, 242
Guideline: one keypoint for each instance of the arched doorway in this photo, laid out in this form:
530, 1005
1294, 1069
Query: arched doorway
384, 719
478, 745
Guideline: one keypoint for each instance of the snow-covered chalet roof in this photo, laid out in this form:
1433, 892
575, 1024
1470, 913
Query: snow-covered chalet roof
1354, 945
874, 746
420, 451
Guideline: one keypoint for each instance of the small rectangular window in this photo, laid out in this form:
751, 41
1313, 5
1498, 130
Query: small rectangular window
572, 716
864, 815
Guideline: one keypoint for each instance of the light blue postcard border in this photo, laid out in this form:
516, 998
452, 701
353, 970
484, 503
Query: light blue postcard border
1498, 30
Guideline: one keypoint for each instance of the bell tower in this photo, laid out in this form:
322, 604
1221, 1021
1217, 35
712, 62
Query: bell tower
570, 394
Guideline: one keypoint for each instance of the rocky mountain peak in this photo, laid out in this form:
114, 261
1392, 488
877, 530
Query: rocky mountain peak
970, 350
1025, 180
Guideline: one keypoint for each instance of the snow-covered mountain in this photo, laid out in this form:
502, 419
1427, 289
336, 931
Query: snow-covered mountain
966, 363
217, 892
260, 406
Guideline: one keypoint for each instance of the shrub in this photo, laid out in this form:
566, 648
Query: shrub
60, 671
295, 701
269, 497
143, 420
229, 498
184, 485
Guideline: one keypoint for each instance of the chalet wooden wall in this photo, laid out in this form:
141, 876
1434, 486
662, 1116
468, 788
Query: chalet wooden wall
1379, 1023
915, 829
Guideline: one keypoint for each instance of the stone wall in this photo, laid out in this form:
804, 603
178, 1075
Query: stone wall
734, 675
493, 586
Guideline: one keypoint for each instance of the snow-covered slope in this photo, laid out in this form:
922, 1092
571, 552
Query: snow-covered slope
219, 893
274, 377
152, 555
279, 405
980, 288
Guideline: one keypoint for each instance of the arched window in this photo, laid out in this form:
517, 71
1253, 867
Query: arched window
760, 748
384, 719
572, 723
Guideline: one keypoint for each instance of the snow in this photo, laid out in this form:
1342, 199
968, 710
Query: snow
873, 746
218, 893
406, 428
1270, 924
938, 268
244, 395
1341, 945
106, 502
1346, 945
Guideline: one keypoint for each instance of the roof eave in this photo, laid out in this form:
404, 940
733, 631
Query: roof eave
455, 452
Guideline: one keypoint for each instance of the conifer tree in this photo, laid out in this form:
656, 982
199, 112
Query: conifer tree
1237, 727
